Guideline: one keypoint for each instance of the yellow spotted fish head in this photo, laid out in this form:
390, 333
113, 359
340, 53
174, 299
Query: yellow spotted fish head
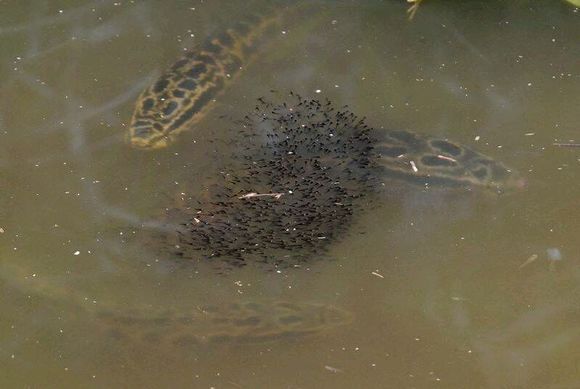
174, 102
183, 94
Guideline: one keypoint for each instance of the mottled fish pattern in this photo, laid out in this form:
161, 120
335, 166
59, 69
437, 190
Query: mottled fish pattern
247, 322
182, 95
431, 161
250, 321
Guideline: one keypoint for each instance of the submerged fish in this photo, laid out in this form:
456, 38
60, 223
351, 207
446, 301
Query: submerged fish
184, 93
247, 323
243, 322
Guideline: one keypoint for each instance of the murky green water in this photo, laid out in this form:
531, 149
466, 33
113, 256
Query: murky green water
437, 282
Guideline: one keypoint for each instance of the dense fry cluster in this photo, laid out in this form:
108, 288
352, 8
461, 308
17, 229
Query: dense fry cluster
305, 168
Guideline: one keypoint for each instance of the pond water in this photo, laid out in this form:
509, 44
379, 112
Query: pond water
445, 287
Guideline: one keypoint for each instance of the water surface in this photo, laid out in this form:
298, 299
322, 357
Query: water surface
434, 279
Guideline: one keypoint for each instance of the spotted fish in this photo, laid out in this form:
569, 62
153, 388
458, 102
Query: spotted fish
426, 160
247, 322
182, 95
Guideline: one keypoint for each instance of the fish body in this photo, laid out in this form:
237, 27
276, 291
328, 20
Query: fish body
184, 93
251, 322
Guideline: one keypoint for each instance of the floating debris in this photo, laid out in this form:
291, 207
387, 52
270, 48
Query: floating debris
253, 194
332, 369
531, 259
566, 144
446, 158
412, 10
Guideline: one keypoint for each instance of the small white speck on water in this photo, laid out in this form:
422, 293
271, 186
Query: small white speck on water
530, 259
414, 166
318, 90
76, 252
332, 369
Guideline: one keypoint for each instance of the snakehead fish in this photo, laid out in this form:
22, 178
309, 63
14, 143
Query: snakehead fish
167, 326
184, 93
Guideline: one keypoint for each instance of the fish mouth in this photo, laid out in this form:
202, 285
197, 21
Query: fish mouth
514, 183
141, 138
518, 183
